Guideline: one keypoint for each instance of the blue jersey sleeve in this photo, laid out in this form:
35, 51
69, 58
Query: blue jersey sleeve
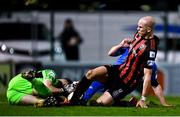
123, 54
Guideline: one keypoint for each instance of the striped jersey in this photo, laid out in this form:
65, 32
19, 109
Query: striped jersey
142, 54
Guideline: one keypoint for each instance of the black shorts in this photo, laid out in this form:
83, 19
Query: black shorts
114, 85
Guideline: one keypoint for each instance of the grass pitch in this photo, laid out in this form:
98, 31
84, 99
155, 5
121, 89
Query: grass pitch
155, 109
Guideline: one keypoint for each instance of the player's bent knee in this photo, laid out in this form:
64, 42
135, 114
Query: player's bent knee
105, 99
89, 74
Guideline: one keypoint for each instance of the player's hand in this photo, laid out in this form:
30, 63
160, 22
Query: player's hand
61, 90
126, 42
73, 41
66, 102
142, 104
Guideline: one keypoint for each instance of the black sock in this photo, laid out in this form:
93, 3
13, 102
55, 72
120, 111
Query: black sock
82, 86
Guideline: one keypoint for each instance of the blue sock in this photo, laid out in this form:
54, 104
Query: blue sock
93, 88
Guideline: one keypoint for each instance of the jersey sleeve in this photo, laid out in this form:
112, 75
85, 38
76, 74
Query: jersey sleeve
120, 51
151, 53
49, 75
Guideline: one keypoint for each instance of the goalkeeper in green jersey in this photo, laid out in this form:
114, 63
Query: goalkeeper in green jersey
32, 87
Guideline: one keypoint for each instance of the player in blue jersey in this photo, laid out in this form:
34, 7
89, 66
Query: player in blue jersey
123, 52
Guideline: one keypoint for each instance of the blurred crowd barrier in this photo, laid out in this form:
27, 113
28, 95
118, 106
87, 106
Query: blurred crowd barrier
171, 74
99, 30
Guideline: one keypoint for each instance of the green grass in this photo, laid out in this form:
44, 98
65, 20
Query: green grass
154, 110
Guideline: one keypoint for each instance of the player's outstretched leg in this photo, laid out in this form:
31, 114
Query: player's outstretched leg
81, 87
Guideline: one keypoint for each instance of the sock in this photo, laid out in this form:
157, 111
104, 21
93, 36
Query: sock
80, 89
94, 87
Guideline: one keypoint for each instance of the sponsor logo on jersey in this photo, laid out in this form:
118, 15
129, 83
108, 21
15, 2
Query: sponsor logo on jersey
150, 62
142, 46
52, 74
117, 92
152, 54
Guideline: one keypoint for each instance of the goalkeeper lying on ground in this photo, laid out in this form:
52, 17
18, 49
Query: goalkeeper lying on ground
33, 87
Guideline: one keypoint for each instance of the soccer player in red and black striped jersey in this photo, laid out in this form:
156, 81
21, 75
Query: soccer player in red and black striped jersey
121, 80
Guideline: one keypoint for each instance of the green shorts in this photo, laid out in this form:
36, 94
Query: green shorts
14, 97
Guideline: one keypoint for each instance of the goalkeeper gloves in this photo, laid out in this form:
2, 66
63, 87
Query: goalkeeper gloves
71, 87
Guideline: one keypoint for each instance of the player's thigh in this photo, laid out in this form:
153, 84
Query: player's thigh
28, 100
105, 99
14, 97
99, 73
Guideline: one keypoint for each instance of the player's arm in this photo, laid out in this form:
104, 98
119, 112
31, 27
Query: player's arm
147, 82
35, 92
157, 87
159, 93
114, 52
118, 49
53, 89
150, 57
146, 86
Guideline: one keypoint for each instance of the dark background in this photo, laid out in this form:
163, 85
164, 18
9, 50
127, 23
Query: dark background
85, 5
